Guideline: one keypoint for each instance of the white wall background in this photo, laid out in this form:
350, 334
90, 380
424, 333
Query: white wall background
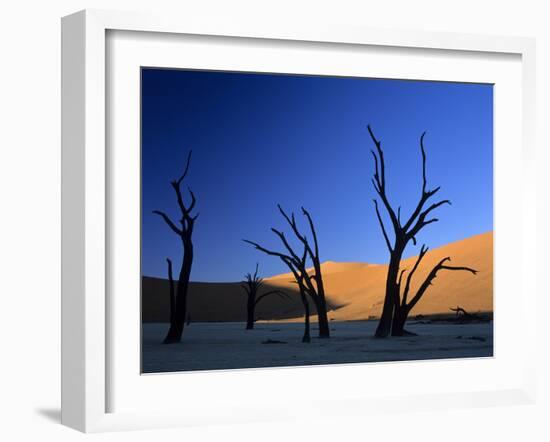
30, 214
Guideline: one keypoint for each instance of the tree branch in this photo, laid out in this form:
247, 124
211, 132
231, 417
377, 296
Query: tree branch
186, 220
376, 172
168, 221
421, 222
282, 236
292, 223
193, 201
431, 276
314, 234
179, 198
432, 207
423, 251
423, 151
426, 194
468, 269
186, 168
379, 180
267, 251
272, 292
382, 226
400, 277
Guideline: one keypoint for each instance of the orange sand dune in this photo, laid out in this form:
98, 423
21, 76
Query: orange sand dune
354, 290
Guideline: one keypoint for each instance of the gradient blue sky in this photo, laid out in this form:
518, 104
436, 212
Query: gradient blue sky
262, 139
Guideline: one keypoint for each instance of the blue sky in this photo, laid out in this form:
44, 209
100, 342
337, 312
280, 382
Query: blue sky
263, 139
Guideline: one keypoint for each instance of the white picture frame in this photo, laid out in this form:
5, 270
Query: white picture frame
87, 356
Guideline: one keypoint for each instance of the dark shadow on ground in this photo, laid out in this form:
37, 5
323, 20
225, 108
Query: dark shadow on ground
219, 301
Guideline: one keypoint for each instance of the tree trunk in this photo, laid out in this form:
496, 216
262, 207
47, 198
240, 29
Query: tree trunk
324, 329
399, 319
250, 312
176, 327
384, 325
307, 337
392, 290
172, 292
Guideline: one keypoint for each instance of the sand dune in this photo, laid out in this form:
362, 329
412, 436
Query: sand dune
354, 290
210, 301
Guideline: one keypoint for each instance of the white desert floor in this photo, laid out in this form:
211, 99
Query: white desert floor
227, 345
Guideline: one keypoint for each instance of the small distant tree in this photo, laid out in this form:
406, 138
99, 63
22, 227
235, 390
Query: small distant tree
311, 282
185, 233
463, 316
252, 285
397, 305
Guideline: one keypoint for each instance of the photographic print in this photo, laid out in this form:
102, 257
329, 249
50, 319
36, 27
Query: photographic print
300, 220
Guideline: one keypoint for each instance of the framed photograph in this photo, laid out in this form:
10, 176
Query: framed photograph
323, 213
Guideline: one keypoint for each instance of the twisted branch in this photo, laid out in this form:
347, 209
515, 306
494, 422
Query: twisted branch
432, 275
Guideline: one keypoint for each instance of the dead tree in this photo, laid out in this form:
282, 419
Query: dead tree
396, 305
252, 285
463, 316
185, 233
460, 312
313, 283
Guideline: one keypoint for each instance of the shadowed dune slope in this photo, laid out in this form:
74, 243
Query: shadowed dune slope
217, 301
354, 290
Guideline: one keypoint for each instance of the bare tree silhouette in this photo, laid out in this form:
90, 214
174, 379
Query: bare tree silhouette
463, 316
396, 306
312, 284
252, 285
185, 233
